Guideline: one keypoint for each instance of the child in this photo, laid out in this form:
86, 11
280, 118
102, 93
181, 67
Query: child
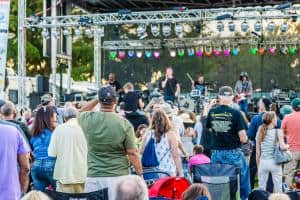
140, 132
198, 158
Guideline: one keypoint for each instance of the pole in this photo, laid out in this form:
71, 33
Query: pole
262, 57
98, 33
69, 53
53, 49
61, 82
21, 53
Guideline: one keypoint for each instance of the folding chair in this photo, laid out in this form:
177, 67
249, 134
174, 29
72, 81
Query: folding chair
97, 195
150, 175
222, 180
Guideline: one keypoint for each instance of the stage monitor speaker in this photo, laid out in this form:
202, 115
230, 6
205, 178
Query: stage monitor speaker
13, 96
42, 84
34, 100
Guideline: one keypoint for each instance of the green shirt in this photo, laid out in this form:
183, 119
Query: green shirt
108, 136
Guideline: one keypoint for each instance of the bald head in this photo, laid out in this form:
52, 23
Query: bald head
132, 188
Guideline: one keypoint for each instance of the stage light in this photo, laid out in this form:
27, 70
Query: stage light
208, 52
112, 55
155, 30
261, 50
231, 26
257, 26
77, 32
220, 26
216, 52
173, 53
199, 52
130, 54
141, 29
139, 54
179, 30
89, 33
292, 50
226, 52
272, 50
284, 27
156, 54
45, 34
235, 51
271, 26
244, 26
166, 30
253, 51
191, 52
66, 32
55, 33
224, 16
121, 55
148, 54
180, 52
284, 50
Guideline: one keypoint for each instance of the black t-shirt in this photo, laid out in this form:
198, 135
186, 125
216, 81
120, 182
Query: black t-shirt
224, 124
115, 85
131, 101
136, 119
170, 88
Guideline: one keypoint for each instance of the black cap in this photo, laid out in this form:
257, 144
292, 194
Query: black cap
268, 103
107, 94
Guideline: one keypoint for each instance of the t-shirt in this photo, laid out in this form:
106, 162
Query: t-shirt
131, 101
68, 145
40, 145
268, 145
108, 137
198, 159
224, 124
291, 126
200, 86
12, 144
171, 87
136, 119
115, 85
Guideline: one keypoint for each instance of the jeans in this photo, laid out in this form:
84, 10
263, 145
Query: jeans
235, 157
264, 169
244, 105
42, 174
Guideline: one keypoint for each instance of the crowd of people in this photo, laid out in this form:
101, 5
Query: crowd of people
100, 143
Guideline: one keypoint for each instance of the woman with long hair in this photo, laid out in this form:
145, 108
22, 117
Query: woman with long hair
43, 165
166, 144
266, 141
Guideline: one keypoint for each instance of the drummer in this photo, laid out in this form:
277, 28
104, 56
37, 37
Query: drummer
200, 85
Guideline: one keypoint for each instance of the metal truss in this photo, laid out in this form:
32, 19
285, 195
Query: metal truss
132, 44
170, 16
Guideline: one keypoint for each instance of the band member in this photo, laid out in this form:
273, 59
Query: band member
243, 90
112, 80
199, 84
170, 86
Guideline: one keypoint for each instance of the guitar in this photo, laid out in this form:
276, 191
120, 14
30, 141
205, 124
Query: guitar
241, 97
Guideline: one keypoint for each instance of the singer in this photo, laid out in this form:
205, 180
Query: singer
170, 86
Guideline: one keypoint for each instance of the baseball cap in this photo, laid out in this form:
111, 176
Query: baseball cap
226, 91
285, 110
296, 104
244, 74
107, 94
46, 98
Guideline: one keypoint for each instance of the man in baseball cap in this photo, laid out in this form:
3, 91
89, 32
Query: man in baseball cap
291, 128
227, 134
46, 100
111, 143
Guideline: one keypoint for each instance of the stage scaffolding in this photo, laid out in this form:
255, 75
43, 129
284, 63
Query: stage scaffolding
99, 21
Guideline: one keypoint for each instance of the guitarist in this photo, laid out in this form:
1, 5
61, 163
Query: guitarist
170, 86
243, 89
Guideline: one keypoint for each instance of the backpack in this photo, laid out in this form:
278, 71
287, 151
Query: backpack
149, 158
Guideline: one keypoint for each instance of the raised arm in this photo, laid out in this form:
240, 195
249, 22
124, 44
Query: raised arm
90, 105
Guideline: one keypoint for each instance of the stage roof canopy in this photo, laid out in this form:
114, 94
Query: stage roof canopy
101, 6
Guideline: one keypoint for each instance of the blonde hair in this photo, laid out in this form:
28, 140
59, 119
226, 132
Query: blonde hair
278, 196
128, 86
36, 195
267, 118
196, 190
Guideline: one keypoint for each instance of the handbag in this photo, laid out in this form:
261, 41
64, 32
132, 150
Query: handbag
149, 158
281, 156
